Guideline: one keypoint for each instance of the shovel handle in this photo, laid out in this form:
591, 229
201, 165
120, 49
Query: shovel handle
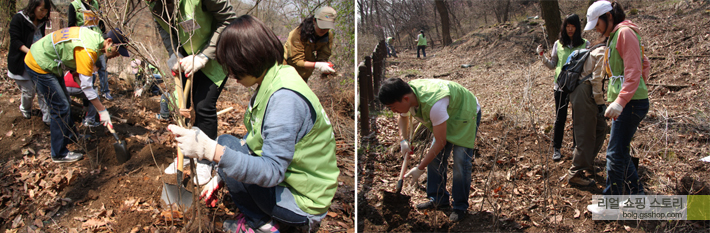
404, 167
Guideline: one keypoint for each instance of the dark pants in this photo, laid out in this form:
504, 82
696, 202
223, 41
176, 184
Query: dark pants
561, 103
103, 74
258, 204
423, 49
589, 129
622, 176
61, 130
205, 98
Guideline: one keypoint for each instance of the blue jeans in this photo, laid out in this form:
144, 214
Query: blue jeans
103, 75
436, 175
258, 204
622, 177
423, 48
53, 90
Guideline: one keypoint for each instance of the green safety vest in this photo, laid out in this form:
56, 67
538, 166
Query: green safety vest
195, 30
422, 40
86, 17
615, 65
388, 40
312, 175
57, 49
462, 110
562, 53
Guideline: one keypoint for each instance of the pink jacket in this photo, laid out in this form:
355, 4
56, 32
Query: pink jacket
634, 68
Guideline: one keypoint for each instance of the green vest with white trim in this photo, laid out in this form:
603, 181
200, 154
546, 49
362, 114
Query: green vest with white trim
195, 29
462, 109
616, 65
312, 175
57, 48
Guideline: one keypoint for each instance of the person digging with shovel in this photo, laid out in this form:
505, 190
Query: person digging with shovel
453, 113
72, 48
285, 169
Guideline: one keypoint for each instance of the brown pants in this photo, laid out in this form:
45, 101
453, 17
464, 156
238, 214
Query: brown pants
589, 129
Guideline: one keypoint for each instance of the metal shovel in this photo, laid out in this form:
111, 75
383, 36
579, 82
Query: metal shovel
120, 147
398, 188
176, 193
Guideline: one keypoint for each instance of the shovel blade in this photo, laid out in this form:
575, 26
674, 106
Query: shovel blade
122, 154
176, 194
398, 189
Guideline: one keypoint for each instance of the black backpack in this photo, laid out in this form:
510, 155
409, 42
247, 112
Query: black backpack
568, 79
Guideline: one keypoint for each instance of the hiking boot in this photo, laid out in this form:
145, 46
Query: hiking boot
70, 157
431, 205
108, 96
457, 215
557, 156
240, 225
27, 115
579, 180
90, 123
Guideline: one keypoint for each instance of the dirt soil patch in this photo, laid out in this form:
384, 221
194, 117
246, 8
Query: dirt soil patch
515, 184
98, 194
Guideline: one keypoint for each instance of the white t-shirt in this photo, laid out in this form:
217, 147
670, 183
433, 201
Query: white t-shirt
438, 113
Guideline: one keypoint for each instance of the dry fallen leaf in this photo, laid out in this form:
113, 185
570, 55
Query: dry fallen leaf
627, 228
332, 214
17, 222
576, 213
8, 134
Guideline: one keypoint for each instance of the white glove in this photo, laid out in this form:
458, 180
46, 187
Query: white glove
173, 63
210, 190
191, 64
613, 111
138, 92
404, 147
415, 173
105, 118
539, 50
193, 142
325, 67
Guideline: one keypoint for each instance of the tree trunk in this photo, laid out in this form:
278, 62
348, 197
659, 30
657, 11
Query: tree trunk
7, 10
550, 11
444, 13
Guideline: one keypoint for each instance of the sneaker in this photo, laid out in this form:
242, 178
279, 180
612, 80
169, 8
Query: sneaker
107, 96
557, 156
240, 225
579, 180
457, 215
159, 117
70, 157
431, 205
90, 123
204, 173
27, 115
172, 168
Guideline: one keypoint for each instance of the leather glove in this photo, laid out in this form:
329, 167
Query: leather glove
325, 67
613, 111
191, 64
138, 92
404, 147
415, 173
193, 142
173, 63
539, 50
209, 192
105, 118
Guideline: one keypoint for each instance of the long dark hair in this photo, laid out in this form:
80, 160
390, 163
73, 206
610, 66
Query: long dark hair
247, 47
308, 30
30, 9
617, 12
576, 39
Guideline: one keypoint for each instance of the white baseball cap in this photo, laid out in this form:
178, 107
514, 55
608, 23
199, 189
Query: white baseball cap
325, 17
597, 9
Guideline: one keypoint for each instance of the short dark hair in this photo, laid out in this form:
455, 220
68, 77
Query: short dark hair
32, 4
576, 39
247, 47
617, 12
392, 90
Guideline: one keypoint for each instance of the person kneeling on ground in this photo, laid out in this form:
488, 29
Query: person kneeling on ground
453, 114
285, 169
